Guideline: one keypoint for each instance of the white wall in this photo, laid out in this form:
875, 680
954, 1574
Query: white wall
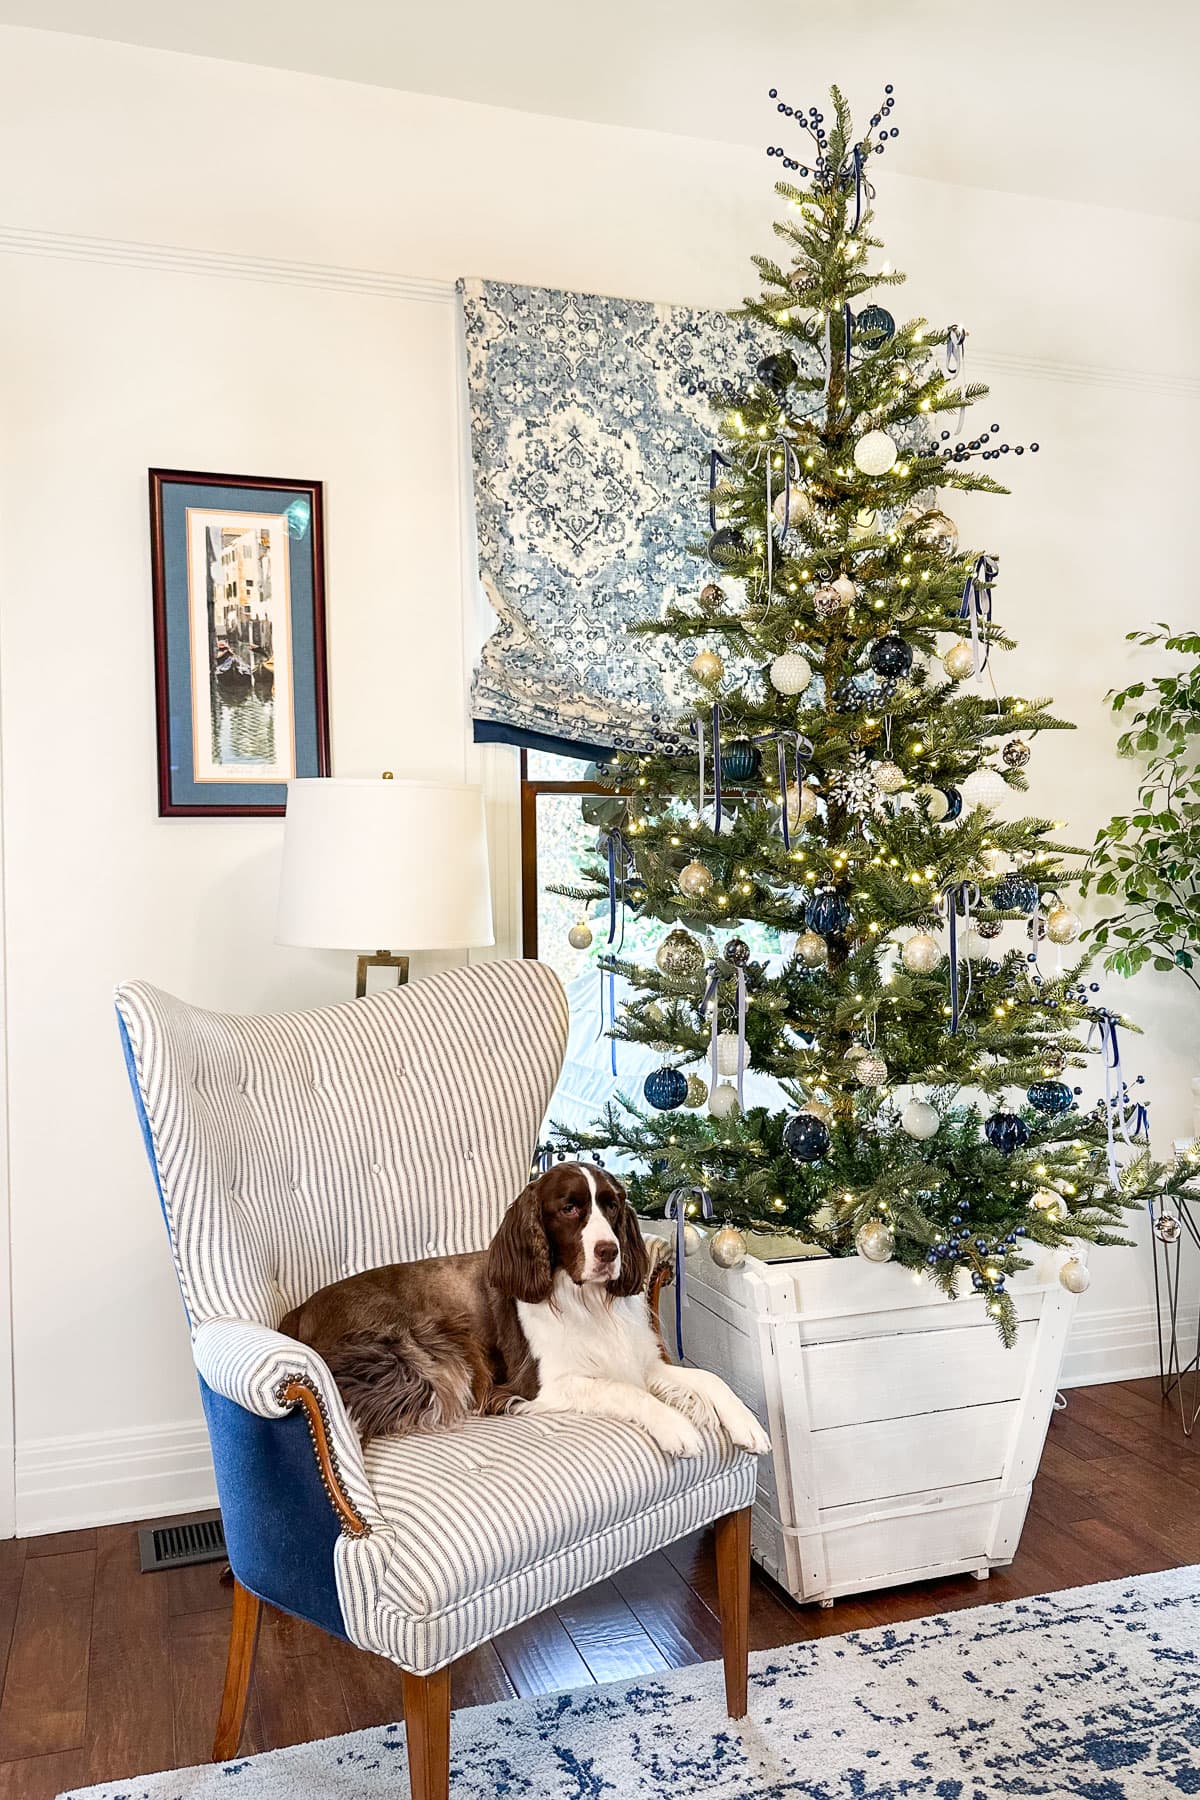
179, 232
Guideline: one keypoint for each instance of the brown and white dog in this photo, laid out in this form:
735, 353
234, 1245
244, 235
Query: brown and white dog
552, 1317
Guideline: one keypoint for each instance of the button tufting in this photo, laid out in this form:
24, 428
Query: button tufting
377, 1168
468, 1156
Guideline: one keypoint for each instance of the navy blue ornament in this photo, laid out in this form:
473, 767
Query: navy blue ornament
740, 761
1006, 1132
1050, 1096
775, 372
737, 952
1015, 893
665, 1089
827, 912
874, 327
806, 1138
953, 804
725, 546
891, 657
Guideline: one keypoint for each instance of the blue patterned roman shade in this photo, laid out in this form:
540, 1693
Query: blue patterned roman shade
590, 432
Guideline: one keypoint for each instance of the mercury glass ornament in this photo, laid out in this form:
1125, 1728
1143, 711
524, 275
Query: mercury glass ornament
1016, 753
679, 955
920, 1120
959, 661
706, 665
697, 1091
812, 950
580, 936
1054, 1060
1167, 1228
723, 1101
1047, 1201
712, 595
1035, 930
727, 1053
792, 508
827, 912
791, 673
695, 880
876, 1241
1074, 1276
985, 787
827, 602
875, 453
802, 804
1051, 1097
727, 1247
845, 589
939, 532
921, 953
870, 1071
737, 952
1015, 893
888, 777
1062, 925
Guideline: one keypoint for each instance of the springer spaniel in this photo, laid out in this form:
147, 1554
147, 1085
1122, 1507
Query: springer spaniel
552, 1317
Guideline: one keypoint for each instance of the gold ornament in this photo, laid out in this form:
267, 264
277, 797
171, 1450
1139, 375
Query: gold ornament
692, 1240
802, 804
921, 953
697, 1091
792, 508
888, 777
845, 589
1048, 1202
580, 936
876, 1241
812, 950
938, 532
695, 880
959, 661
679, 955
706, 665
1063, 926
727, 1247
870, 1071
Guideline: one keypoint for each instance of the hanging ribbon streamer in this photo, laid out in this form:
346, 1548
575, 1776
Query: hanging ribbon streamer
716, 763
956, 356
608, 981
958, 898
1105, 1023
803, 749
676, 1208
715, 461
791, 465
712, 997
976, 607
741, 1034
618, 847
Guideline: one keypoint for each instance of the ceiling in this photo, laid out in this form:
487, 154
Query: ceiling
1078, 99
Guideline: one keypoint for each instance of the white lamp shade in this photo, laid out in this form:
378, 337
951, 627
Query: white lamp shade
384, 865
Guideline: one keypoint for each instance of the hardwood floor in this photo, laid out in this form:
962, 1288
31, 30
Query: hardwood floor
109, 1673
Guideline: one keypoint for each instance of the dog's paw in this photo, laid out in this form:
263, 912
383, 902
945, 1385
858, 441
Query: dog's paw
677, 1435
744, 1429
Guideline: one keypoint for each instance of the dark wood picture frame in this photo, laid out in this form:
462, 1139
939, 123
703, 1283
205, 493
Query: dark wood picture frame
177, 796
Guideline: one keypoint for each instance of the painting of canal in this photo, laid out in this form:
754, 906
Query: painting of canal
239, 607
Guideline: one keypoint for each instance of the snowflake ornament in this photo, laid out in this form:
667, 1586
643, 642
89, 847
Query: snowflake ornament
855, 789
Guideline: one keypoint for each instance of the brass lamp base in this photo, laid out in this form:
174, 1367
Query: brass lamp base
382, 959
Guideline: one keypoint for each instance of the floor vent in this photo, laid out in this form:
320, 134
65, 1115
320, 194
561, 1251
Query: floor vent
174, 1546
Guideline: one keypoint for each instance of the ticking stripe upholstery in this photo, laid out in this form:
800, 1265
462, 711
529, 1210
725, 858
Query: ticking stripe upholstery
291, 1150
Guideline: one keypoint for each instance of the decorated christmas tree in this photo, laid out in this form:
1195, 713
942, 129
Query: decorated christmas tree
852, 784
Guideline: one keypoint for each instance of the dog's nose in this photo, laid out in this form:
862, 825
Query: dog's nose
606, 1253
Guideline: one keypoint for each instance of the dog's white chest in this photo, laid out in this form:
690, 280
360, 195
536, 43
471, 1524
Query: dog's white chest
581, 1333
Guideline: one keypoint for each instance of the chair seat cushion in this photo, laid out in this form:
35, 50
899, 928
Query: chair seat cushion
495, 1519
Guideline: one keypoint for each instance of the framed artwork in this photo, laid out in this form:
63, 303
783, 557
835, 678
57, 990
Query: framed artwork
239, 640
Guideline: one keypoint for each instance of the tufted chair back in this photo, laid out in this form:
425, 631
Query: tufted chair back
297, 1148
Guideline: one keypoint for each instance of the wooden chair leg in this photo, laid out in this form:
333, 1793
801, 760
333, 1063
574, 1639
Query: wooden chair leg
239, 1665
427, 1725
733, 1592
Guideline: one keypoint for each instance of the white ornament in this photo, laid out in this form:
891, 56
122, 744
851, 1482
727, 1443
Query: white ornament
723, 1101
845, 589
979, 949
1063, 926
888, 777
875, 453
794, 507
727, 1247
959, 660
921, 953
812, 950
802, 804
984, 787
727, 1053
695, 880
692, 1240
935, 802
920, 1120
870, 1071
875, 1241
791, 673
1074, 1276
1048, 1202
707, 666
580, 936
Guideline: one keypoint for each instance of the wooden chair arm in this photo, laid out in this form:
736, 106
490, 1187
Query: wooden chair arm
296, 1391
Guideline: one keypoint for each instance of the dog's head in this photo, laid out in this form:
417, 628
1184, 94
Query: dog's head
575, 1218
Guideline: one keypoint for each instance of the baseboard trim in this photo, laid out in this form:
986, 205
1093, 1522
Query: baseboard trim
69, 1483
1119, 1344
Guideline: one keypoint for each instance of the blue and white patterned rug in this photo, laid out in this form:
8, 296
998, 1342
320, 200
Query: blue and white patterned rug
1094, 1692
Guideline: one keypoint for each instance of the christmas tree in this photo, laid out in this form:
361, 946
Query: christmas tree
855, 759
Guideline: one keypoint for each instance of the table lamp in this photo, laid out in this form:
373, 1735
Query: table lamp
384, 862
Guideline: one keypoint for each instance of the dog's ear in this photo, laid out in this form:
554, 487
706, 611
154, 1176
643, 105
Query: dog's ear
635, 1258
518, 1264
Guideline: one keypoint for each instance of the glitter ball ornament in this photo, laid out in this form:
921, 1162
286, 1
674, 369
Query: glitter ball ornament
791, 673
793, 508
727, 1247
812, 950
679, 955
697, 1091
1015, 893
580, 936
1006, 1132
827, 912
870, 1071
1167, 1228
712, 595
920, 1120
737, 952
959, 661
921, 953
888, 777
741, 761
876, 1241
727, 1053
695, 880
845, 590
665, 1089
806, 1138
1074, 1276
723, 1101
1062, 925
875, 453
827, 602
706, 665
985, 787
1016, 753
802, 804
891, 657
1051, 1097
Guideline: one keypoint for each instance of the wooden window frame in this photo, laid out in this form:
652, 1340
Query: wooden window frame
530, 792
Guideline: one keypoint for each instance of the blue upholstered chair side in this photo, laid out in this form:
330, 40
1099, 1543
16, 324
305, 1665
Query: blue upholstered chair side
280, 1523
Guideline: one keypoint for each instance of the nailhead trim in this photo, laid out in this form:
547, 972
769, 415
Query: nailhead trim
339, 1500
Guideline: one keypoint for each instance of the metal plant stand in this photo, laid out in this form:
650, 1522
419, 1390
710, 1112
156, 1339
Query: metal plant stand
1178, 1351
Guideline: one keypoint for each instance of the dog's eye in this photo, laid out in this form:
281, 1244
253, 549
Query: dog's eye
570, 1206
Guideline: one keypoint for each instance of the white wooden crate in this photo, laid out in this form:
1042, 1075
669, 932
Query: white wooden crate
905, 1437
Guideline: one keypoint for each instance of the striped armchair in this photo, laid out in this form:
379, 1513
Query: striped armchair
290, 1151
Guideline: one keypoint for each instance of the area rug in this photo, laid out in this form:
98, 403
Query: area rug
1093, 1692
